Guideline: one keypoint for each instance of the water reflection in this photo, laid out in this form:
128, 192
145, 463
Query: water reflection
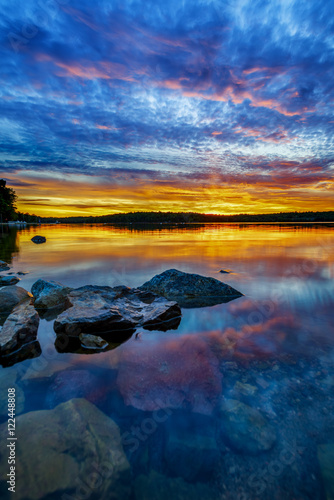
77, 345
27, 351
8, 243
259, 368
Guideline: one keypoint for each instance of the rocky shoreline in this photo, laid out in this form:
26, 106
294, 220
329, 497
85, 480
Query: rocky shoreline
91, 317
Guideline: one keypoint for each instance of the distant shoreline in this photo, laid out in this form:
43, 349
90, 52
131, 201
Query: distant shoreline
196, 218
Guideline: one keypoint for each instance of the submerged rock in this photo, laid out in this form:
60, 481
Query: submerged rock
244, 428
97, 309
38, 239
74, 449
245, 389
174, 373
49, 294
19, 328
190, 290
69, 384
8, 280
10, 297
155, 486
191, 455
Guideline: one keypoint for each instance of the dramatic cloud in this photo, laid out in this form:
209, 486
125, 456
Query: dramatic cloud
211, 106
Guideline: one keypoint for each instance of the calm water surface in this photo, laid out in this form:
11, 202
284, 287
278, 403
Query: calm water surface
237, 403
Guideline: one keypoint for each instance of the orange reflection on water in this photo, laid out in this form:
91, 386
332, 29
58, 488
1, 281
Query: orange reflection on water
284, 271
255, 249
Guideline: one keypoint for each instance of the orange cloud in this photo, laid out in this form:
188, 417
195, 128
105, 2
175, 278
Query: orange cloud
284, 188
104, 70
102, 127
261, 134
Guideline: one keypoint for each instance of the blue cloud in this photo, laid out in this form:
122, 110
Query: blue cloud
138, 84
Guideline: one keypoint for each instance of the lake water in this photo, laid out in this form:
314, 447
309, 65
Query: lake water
236, 403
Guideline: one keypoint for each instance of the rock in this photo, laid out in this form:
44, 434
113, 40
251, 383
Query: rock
26, 351
245, 389
38, 239
98, 309
22, 273
19, 328
244, 428
191, 455
45, 370
8, 280
4, 266
326, 462
178, 373
155, 486
92, 341
64, 343
69, 384
52, 313
72, 451
49, 294
190, 290
10, 297
223, 271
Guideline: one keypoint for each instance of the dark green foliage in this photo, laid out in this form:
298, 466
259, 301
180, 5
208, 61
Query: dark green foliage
27, 217
192, 217
7, 202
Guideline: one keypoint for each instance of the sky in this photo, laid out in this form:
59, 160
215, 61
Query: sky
178, 105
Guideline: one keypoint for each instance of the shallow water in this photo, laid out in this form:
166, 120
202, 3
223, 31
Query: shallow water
271, 350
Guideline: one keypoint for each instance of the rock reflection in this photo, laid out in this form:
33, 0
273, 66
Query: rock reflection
8, 243
27, 351
79, 345
50, 314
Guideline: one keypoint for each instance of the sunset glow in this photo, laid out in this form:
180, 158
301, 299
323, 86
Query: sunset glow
213, 107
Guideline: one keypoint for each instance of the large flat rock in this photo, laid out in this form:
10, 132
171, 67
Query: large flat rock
73, 450
19, 328
244, 428
102, 309
190, 290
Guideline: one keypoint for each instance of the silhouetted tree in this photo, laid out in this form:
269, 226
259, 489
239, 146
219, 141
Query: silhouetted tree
7, 202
